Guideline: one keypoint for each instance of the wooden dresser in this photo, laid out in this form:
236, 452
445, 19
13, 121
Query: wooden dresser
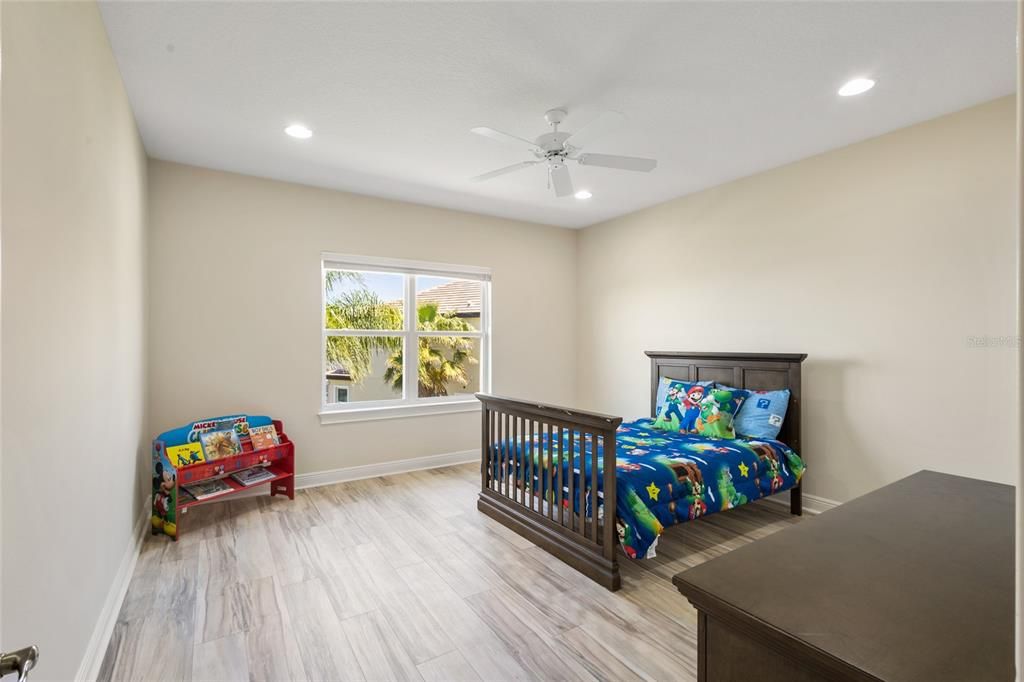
914, 581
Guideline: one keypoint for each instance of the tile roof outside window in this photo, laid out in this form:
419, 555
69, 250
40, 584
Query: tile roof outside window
460, 296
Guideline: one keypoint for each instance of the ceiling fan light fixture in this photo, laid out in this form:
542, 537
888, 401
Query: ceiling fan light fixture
298, 131
856, 86
583, 194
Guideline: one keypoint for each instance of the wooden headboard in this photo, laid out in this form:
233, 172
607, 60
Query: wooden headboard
754, 371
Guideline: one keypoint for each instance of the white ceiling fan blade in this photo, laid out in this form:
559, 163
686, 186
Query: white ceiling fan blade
603, 124
632, 163
502, 137
502, 171
560, 180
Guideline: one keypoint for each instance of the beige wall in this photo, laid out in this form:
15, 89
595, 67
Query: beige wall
224, 245
879, 260
1019, 601
2, 638
73, 291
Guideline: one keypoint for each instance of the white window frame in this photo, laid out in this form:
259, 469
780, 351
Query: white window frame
410, 404
338, 389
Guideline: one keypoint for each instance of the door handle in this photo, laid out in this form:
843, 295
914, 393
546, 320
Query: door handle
20, 662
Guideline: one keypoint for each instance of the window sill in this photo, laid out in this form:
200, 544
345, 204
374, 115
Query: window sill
398, 411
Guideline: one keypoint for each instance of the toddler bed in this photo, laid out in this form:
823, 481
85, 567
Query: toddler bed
550, 473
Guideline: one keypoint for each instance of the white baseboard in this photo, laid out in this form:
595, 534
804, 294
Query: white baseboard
89, 669
398, 466
315, 479
812, 503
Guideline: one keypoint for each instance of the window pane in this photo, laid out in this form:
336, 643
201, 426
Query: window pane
363, 300
448, 365
361, 368
447, 304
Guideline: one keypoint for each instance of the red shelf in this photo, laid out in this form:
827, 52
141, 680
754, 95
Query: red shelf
236, 487
279, 459
248, 458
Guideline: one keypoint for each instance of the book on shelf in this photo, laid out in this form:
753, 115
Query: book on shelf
183, 455
239, 424
253, 476
264, 437
220, 444
208, 489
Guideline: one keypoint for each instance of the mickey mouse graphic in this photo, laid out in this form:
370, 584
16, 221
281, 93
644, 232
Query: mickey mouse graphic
163, 485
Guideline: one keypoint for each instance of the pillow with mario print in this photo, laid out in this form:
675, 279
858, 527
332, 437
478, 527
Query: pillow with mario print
762, 414
718, 411
677, 405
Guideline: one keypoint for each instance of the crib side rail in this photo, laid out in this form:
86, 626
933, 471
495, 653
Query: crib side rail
527, 484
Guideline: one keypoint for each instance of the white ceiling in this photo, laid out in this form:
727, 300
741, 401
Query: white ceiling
714, 90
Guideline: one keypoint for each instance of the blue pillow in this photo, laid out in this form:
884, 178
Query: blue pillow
762, 414
677, 404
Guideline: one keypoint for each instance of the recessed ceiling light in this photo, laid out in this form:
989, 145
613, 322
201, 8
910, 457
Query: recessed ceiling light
856, 86
583, 194
298, 130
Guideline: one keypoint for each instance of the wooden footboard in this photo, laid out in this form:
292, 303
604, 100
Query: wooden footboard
524, 485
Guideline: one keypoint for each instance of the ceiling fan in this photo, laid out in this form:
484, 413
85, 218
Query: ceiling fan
556, 148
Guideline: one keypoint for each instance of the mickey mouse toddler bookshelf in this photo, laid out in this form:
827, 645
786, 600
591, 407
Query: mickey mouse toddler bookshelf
216, 458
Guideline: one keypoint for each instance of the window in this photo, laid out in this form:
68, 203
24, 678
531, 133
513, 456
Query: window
385, 320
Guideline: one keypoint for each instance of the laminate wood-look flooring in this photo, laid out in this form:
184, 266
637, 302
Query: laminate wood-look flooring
401, 578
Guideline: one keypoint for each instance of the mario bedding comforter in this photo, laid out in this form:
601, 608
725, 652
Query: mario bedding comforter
665, 478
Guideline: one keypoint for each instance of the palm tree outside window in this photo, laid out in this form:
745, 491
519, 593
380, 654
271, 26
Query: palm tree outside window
399, 333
